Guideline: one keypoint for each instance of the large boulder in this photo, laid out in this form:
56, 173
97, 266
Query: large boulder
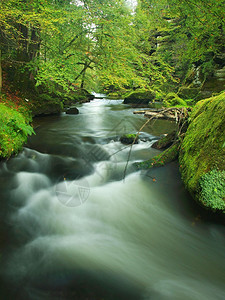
77, 96
202, 153
46, 105
188, 93
140, 97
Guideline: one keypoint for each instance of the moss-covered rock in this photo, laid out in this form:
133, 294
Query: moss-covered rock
188, 93
172, 99
161, 159
129, 139
140, 97
77, 96
46, 105
165, 142
203, 148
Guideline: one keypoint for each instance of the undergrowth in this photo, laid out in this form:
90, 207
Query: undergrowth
14, 127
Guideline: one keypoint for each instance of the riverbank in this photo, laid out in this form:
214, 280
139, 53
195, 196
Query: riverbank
201, 153
105, 238
18, 109
15, 119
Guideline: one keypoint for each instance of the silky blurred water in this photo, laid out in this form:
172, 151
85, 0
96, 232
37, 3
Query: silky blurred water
73, 228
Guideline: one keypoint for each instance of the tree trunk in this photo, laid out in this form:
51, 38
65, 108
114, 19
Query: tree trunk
0, 71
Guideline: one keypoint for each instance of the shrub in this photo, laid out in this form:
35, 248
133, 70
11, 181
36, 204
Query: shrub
14, 129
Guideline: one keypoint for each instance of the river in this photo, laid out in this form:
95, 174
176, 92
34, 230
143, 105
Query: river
73, 228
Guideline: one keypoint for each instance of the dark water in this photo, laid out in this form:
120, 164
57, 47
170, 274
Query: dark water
72, 228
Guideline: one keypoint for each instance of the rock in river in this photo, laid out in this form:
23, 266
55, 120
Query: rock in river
72, 111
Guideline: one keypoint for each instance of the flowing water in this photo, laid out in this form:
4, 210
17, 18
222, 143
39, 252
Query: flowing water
72, 228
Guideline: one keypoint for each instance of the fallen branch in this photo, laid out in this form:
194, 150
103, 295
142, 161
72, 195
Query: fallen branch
171, 113
180, 115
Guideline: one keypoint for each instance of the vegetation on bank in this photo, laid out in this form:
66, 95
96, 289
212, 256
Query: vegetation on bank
14, 126
202, 153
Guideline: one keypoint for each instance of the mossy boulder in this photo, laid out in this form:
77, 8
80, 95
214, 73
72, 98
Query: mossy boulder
46, 105
77, 96
161, 159
140, 97
188, 93
202, 154
165, 142
129, 139
172, 99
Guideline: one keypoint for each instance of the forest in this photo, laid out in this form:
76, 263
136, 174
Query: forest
57, 47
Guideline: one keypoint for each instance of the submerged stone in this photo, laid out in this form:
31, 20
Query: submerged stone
129, 139
72, 111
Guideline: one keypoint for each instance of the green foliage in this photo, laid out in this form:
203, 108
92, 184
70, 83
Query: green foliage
185, 32
211, 190
130, 136
61, 45
202, 148
172, 99
129, 139
14, 129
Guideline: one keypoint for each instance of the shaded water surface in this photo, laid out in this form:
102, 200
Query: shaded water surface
72, 228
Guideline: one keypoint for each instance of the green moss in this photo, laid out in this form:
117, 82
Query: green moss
130, 136
129, 139
188, 93
161, 159
165, 141
155, 105
172, 99
211, 190
202, 148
